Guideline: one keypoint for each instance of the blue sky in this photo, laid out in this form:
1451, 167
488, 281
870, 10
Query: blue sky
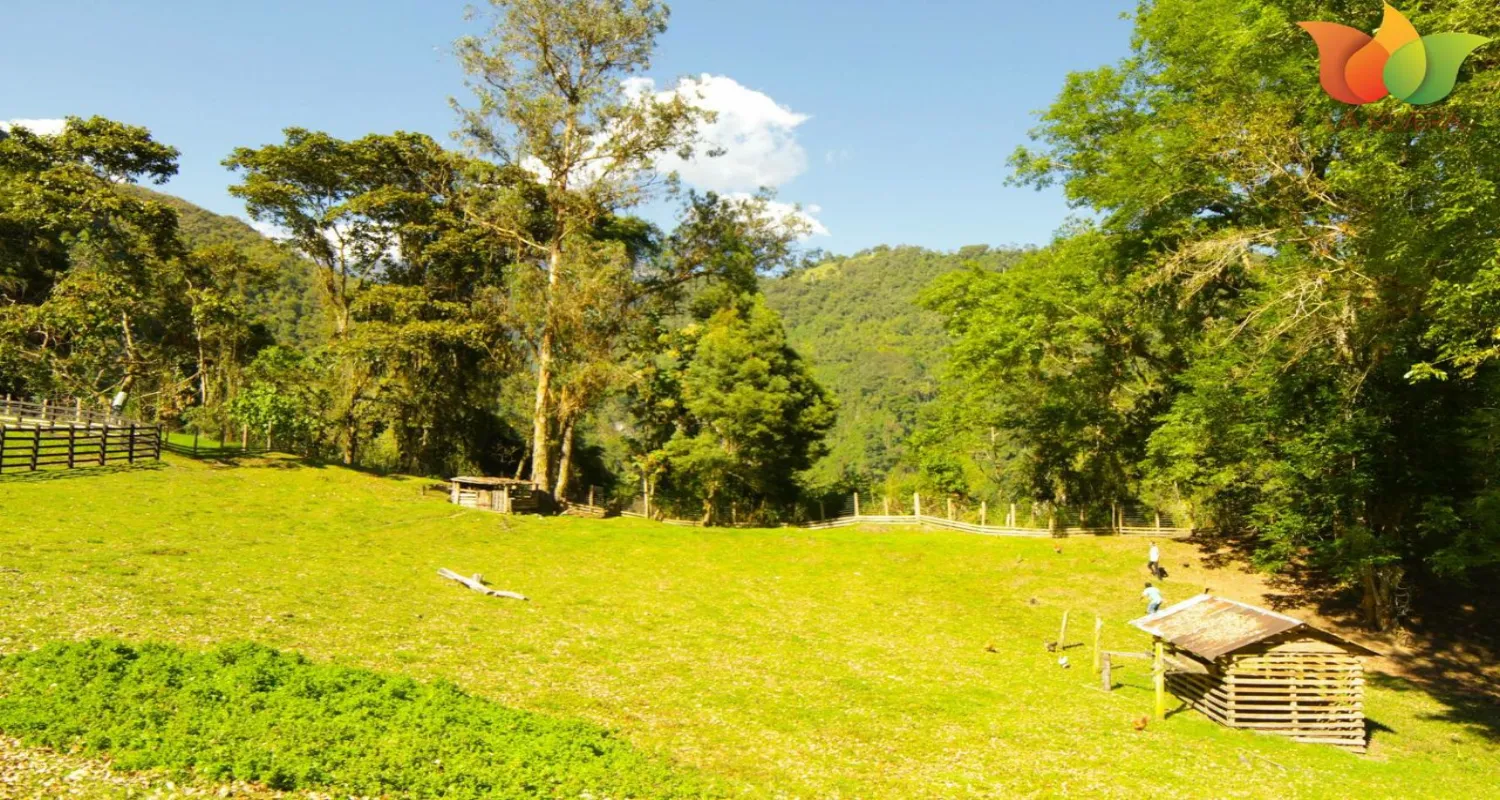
893, 120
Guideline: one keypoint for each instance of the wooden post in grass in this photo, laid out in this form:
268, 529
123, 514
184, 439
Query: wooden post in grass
1062, 634
983, 513
1104, 672
1098, 627
916, 504
856, 504
950, 508
3, 434
78, 409
1159, 682
36, 445
104, 444
245, 436
1012, 522
130, 454
72, 443
1158, 523
887, 500
156, 452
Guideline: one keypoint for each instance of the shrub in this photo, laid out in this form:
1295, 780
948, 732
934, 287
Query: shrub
249, 712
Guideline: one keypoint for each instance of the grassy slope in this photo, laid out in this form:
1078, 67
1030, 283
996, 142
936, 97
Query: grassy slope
844, 663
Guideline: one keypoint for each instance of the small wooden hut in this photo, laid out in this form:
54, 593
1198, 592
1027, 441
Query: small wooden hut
1249, 667
506, 495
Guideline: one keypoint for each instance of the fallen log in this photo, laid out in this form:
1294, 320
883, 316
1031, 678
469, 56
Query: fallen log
477, 584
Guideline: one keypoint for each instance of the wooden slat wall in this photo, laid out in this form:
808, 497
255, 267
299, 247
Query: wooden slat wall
1308, 690
1305, 689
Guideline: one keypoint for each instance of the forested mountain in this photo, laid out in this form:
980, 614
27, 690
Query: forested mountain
856, 320
290, 307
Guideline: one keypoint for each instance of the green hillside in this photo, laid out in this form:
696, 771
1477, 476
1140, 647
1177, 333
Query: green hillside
290, 310
856, 320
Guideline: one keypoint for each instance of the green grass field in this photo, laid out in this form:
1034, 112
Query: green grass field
777, 663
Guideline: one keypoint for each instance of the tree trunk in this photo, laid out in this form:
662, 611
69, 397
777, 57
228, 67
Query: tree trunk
565, 460
1379, 586
541, 444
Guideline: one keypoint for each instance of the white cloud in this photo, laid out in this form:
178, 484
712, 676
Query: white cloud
775, 209
757, 134
43, 127
835, 157
269, 230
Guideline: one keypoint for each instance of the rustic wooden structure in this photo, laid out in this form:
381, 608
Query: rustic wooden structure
1249, 667
505, 495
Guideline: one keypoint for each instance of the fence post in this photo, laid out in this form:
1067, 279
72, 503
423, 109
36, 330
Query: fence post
36, 445
887, 499
1159, 682
1158, 522
3, 435
245, 436
159, 436
1013, 520
72, 443
130, 456
1098, 627
104, 443
856, 504
78, 409
591, 494
916, 504
983, 511
950, 508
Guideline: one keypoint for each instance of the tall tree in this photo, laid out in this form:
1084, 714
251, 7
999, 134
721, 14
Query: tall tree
91, 278
548, 79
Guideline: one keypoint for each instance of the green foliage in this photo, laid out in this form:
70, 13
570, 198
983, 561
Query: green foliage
739, 411
91, 279
248, 712
1282, 316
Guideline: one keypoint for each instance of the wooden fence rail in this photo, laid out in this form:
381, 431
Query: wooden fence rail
33, 447
992, 530
23, 412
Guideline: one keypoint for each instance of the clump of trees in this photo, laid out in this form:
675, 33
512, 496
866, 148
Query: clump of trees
482, 309
1276, 315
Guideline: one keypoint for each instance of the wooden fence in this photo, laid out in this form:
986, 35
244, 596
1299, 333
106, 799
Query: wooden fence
1119, 523
25, 413
28, 447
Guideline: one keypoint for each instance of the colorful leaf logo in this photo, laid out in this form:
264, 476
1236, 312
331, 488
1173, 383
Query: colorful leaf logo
1357, 68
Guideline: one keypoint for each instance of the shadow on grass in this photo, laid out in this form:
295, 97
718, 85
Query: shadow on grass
1448, 650
45, 475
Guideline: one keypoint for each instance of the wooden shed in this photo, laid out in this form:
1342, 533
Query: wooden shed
1249, 667
506, 495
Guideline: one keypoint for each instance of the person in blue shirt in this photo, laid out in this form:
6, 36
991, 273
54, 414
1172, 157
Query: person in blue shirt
1153, 598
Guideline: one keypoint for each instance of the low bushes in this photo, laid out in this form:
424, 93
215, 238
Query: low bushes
249, 712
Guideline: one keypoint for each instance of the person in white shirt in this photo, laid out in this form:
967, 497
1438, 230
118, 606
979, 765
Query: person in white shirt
1153, 598
1153, 561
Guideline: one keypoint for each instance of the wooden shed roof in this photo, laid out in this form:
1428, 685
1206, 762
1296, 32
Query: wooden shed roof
473, 481
1209, 626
